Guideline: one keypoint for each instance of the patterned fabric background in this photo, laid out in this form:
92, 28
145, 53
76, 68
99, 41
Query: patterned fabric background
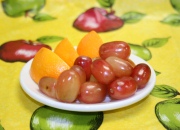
151, 27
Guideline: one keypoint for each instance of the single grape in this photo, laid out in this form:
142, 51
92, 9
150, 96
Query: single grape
47, 86
141, 73
120, 67
102, 71
85, 62
81, 72
92, 92
68, 86
122, 88
115, 48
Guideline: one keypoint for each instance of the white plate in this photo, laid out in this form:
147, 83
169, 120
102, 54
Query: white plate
31, 88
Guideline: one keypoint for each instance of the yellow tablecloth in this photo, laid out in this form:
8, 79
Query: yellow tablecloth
154, 24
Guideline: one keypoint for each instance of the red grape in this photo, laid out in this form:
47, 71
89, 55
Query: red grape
120, 67
81, 72
47, 86
68, 86
102, 71
115, 48
122, 88
141, 73
92, 92
85, 63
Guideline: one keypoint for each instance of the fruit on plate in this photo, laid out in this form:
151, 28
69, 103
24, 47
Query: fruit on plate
89, 79
57, 119
122, 88
120, 66
141, 73
47, 86
89, 45
68, 85
66, 51
92, 92
115, 48
167, 112
98, 19
46, 63
16, 8
85, 62
20, 50
102, 71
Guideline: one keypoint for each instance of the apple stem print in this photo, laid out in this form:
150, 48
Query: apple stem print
27, 8
173, 19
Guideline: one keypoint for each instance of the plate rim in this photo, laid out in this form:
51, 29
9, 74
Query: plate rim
42, 98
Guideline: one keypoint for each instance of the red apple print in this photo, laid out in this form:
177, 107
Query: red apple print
99, 20
20, 50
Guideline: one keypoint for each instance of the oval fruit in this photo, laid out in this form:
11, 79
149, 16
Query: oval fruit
85, 62
141, 73
120, 67
92, 92
81, 72
102, 71
122, 88
47, 86
115, 48
68, 85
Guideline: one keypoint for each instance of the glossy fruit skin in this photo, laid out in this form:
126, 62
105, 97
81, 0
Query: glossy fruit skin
81, 72
141, 73
120, 67
20, 50
68, 86
102, 71
47, 86
92, 92
122, 88
99, 20
85, 62
141, 51
16, 8
115, 48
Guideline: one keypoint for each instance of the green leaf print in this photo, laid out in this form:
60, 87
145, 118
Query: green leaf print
1, 127
172, 19
132, 17
157, 72
175, 4
155, 42
106, 3
49, 39
42, 17
164, 91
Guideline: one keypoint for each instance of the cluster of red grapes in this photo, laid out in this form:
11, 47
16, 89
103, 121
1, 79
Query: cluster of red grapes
89, 80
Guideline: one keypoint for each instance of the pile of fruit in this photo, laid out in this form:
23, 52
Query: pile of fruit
89, 73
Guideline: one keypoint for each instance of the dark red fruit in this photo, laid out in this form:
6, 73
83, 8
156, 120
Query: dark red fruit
85, 62
92, 92
115, 48
99, 20
102, 71
20, 50
141, 73
122, 88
